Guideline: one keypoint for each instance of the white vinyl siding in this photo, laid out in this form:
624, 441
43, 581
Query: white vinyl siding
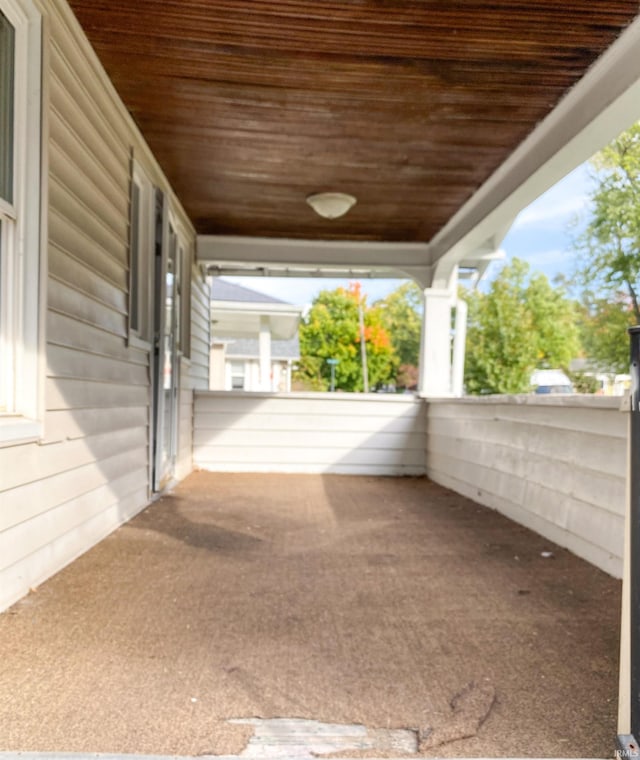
346, 433
90, 470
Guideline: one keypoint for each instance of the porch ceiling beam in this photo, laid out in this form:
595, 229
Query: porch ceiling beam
283, 257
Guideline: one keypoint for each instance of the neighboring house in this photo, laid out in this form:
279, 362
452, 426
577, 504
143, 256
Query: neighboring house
254, 340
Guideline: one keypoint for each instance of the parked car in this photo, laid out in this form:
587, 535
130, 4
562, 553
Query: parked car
550, 381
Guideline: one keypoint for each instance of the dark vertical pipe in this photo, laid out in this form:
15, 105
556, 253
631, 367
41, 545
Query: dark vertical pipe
634, 474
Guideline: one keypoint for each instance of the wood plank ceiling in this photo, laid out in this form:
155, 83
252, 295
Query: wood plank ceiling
251, 105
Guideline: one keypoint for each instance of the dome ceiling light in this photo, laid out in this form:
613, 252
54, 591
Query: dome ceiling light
331, 205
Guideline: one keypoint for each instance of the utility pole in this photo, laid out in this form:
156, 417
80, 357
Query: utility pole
363, 349
332, 363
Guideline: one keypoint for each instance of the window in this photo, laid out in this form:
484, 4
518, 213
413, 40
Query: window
237, 376
141, 237
180, 258
21, 229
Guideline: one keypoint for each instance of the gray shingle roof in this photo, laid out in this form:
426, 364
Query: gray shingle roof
221, 290
249, 347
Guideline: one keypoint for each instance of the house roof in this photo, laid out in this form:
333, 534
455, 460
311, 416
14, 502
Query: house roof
239, 312
249, 348
222, 290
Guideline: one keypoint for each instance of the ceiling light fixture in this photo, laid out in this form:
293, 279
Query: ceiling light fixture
331, 205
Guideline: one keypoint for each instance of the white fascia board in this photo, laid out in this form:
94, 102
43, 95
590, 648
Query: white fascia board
249, 307
602, 104
289, 255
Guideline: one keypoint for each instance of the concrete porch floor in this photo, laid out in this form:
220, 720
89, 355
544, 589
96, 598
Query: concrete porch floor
391, 603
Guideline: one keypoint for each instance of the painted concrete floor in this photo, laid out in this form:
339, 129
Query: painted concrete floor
415, 620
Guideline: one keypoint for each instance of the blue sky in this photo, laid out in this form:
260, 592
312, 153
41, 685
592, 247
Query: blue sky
543, 232
541, 235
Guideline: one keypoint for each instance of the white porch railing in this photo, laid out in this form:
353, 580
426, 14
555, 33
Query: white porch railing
347, 433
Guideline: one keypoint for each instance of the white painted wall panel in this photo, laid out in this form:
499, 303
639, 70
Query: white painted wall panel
342, 433
556, 465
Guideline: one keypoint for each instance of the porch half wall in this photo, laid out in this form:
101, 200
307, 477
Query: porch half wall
345, 433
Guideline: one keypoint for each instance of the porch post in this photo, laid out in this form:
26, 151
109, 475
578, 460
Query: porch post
264, 344
435, 349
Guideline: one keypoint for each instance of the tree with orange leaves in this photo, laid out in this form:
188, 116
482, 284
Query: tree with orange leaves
331, 331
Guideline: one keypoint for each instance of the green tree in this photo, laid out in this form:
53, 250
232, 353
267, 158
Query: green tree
401, 315
603, 327
331, 331
520, 324
610, 245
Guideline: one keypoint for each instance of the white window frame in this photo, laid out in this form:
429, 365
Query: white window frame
24, 233
184, 257
140, 333
233, 366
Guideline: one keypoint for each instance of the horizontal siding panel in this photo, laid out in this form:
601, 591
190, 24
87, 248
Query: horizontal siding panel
63, 330
68, 205
581, 418
67, 269
82, 423
95, 283
62, 393
66, 300
21, 465
73, 363
63, 104
212, 422
339, 404
70, 236
604, 452
311, 439
81, 89
67, 147
278, 455
26, 502
593, 486
65, 170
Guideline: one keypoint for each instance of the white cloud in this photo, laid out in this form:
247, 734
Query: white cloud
560, 204
551, 212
